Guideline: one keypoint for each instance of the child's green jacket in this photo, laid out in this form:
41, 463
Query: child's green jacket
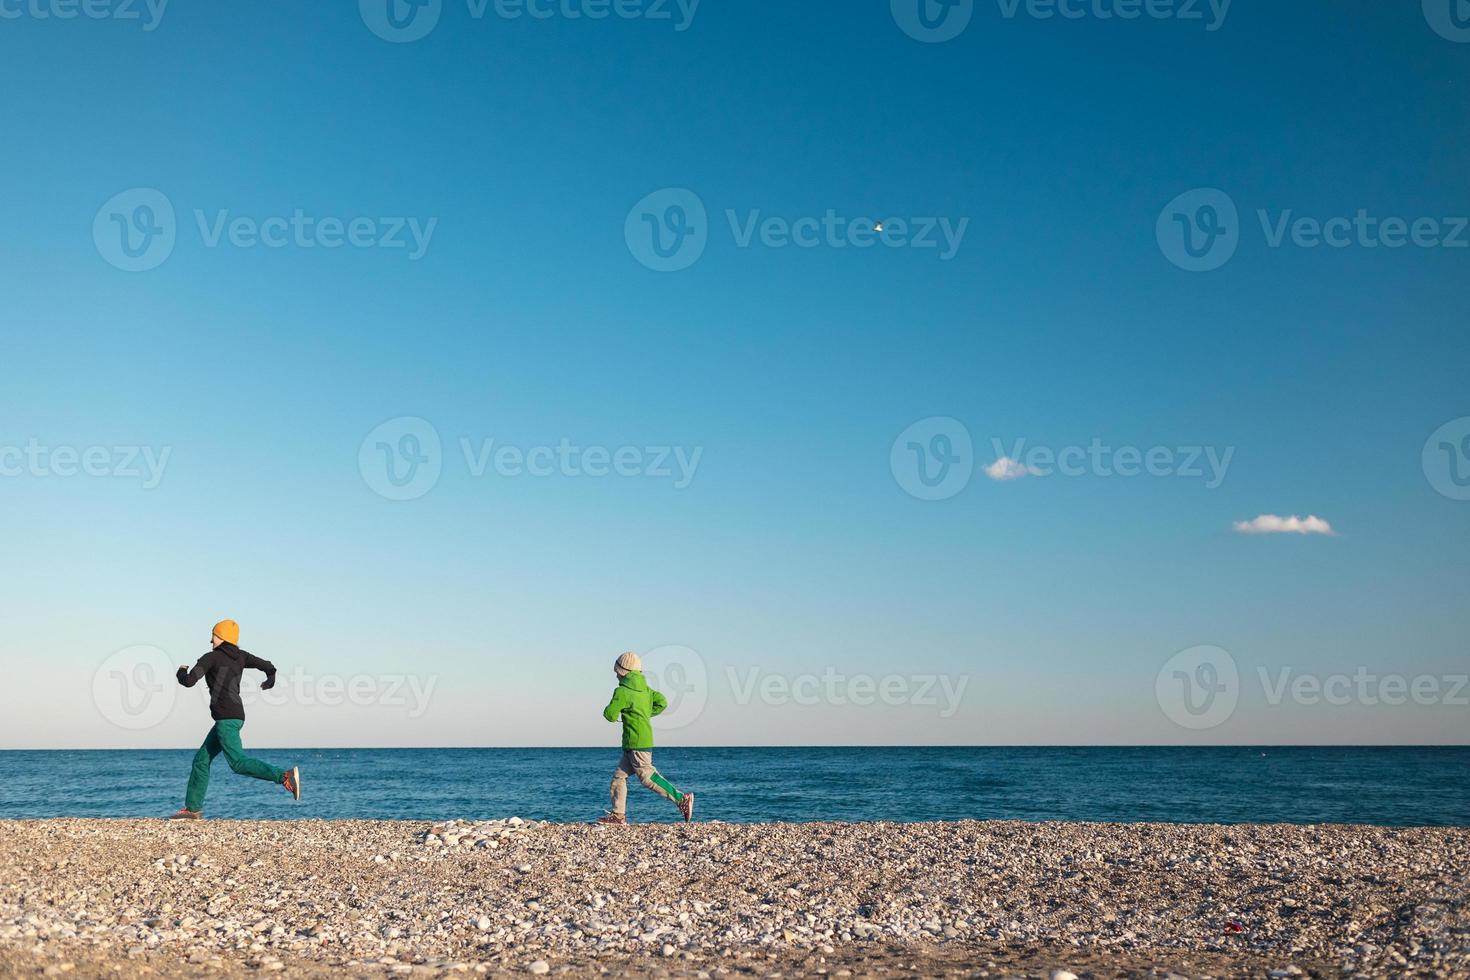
637, 703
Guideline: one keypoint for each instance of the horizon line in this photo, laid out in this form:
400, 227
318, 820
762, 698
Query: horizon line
667, 748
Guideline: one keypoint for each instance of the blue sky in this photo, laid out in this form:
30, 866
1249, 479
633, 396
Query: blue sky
527, 144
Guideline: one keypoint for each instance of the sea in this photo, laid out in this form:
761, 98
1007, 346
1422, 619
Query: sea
1390, 786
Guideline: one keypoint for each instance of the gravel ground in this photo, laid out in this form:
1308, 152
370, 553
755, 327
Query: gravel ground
116, 897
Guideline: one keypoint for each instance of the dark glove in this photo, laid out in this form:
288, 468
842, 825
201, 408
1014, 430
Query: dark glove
270, 682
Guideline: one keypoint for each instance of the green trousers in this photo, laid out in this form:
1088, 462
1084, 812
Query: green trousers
224, 737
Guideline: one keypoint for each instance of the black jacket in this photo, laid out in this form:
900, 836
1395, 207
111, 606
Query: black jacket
221, 668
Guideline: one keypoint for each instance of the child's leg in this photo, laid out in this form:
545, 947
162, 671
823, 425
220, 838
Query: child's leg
199, 774
650, 777
242, 764
620, 785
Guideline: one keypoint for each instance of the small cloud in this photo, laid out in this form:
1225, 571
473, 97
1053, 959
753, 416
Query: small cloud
1271, 524
1006, 468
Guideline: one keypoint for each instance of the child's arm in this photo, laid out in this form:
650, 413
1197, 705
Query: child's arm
659, 702
614, 707
188, 677
266, 667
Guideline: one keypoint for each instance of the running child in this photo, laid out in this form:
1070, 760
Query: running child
636, 703
221, 668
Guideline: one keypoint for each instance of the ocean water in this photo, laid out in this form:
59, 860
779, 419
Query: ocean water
1390, 786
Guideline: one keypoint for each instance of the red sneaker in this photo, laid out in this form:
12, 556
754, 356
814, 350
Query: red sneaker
686, 807
187, 814
292, 782
614, 819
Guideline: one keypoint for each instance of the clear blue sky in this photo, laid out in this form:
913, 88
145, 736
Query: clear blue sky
794, 548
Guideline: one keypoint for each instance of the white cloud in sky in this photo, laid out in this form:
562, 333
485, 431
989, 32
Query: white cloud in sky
1006, 468
1272, 524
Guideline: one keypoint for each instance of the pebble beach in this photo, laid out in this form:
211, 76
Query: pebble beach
516, 897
